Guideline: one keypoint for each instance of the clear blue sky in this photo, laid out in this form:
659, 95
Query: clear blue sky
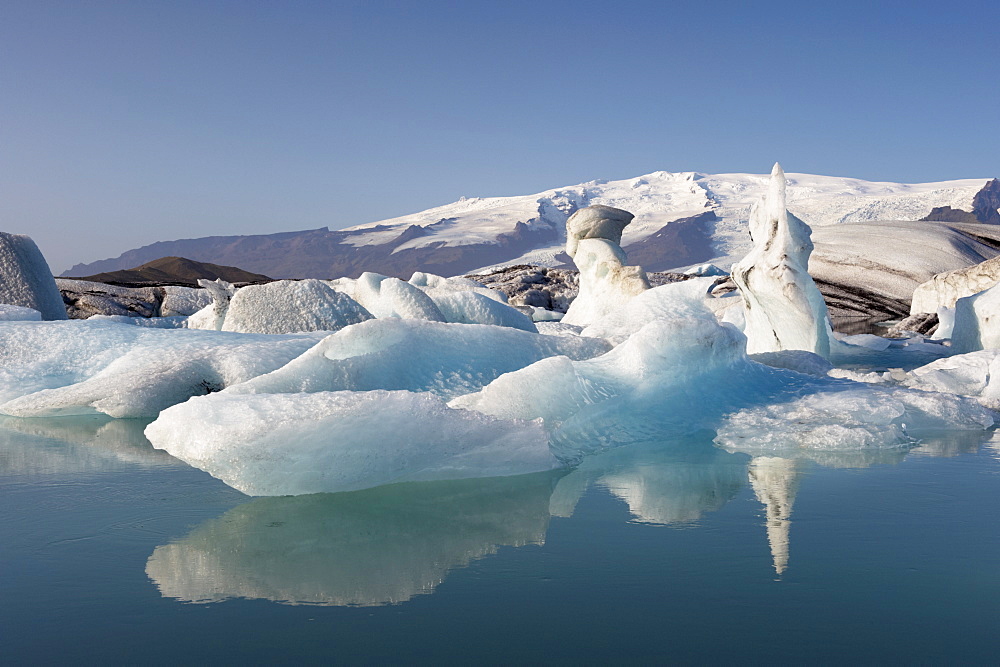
124, 123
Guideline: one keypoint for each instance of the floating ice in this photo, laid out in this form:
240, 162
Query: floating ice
9, 313
595, 222
977, 322
848, 417
783, 307
474, 308
88, 367
446, 359
605, 281
183, 300
25, 278
291, 306
673, 300
213, 315
281, 444
944, 289
975, 374
391, 297
435, 286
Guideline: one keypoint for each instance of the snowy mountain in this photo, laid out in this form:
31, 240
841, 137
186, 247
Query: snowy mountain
681, 219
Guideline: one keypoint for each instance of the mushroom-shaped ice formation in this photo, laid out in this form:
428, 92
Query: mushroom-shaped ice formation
784, 308
25, 278
593, 235
596, 222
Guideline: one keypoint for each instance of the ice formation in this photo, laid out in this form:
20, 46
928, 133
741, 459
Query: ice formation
213, 315
183, 300
280, 444
784, 310
391, 297
977, 322
416, 355
592, 238
435, 285
9, 313
605, 281
25, 278
474, 308
375, 547
595, 222
944, 289
90, 367
975, 374
291, 306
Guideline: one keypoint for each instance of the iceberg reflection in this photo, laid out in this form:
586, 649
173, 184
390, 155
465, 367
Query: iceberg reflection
372, 547
65, 445
660, 484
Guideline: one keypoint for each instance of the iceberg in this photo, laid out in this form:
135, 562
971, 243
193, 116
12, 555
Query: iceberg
213, 315
416, 355
82, 367
783, 307
593, 237
183, 300
976, 324
291, 444
391, 297
25, 278
944, 289
475, 308
291, 306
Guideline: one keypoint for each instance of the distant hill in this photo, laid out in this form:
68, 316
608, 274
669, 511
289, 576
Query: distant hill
175, 270
681, 219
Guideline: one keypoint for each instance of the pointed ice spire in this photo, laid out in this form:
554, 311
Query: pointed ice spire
775, 481
784, 308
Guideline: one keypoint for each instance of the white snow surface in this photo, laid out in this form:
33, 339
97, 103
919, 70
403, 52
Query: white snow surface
291, 306
661, 197
416, 355
25, 278
84, 367
290, 444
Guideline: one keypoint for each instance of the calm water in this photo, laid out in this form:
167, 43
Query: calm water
114, 552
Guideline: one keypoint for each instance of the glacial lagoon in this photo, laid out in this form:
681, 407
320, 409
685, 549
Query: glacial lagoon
115, 552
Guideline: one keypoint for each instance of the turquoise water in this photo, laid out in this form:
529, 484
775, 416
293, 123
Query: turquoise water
114, 552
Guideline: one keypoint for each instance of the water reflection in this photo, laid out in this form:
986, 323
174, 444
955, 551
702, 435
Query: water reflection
372, 547
388, 544
661, 483
73, 445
